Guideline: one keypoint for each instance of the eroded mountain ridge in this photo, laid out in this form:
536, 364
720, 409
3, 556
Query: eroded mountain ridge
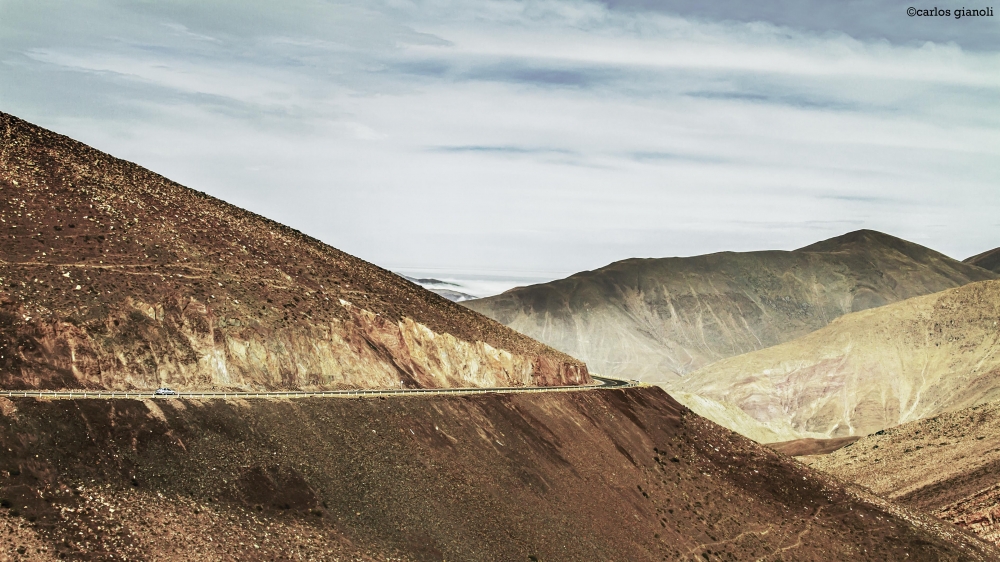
112, 276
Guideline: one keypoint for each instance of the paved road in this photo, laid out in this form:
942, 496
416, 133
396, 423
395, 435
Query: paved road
602, 382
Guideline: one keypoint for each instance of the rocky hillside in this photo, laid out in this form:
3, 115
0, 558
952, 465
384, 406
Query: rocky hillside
730, 416
114, 277
809, 446
594, 475
946, 465
869, 370
657, 319
987, 260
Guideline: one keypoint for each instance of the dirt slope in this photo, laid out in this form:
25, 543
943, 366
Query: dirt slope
730, 416
805, 447
987, 260
657, 319
112, 276
946, 465
869, 370
595, 475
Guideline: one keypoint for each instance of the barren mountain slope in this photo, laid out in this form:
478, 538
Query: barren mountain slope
731, 417
809, 446
946, 465
656, 319
593, 475
987, 260
869, 370
112, 276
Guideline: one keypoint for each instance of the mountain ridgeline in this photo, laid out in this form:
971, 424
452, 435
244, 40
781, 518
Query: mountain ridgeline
114, 277
659, 319
987, 260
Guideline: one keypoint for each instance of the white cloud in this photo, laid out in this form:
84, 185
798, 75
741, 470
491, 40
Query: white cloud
544, 136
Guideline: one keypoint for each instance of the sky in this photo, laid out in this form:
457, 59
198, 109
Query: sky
530, 140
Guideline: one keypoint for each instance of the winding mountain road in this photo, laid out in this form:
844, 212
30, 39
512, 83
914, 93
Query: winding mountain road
602, 382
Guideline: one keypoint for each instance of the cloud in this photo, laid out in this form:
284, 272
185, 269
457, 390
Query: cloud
549, 135
869, 20
868, 199
674, 157
519, 72
804, 101
428, 67
505, 150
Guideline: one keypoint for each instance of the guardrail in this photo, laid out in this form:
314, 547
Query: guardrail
604, 382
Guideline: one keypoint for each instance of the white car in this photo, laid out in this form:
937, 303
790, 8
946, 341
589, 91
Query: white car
165, 392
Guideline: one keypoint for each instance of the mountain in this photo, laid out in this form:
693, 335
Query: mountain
987, 260
869, 370
114, 277
590, 475
946, 465
443, 288
452, 295
658, 319
730, 416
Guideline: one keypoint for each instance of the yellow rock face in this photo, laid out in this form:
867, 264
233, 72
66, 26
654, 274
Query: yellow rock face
869, 370
185, 346
730, 416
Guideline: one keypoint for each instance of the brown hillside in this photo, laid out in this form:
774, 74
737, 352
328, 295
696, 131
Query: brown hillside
112, 276
808, 446
595, 475
657, 319
987, 260
869, 370
946, 465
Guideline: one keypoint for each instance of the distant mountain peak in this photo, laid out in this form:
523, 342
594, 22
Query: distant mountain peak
865, 238
658, 319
